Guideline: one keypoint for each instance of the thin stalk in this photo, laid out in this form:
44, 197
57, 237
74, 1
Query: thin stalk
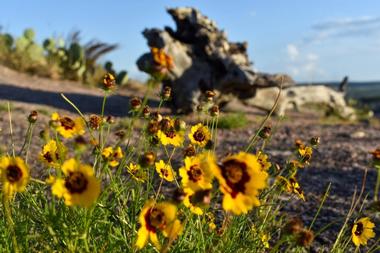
320, 206
375, 197
253, 139
26, 139
11, 129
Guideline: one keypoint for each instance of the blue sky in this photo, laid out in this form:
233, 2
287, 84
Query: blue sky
310, 40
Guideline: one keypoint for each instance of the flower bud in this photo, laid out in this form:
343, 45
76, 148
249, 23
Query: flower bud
32, 118
265, 132
109, 81
201, 197
110, 119
146, 112
210, 95
120, 134
165, 124
157, 116
305, 238
294, 226
135, 103
315, 141
214, 111
148, 159
189, 151
179, 125
153, 127
166, 93
95, 121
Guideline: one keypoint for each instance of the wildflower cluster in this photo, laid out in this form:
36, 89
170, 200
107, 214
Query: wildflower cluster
160, 185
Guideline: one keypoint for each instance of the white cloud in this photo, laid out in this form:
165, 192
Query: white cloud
312, 57
292, 51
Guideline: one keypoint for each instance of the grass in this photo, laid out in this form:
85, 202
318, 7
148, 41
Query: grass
233, 120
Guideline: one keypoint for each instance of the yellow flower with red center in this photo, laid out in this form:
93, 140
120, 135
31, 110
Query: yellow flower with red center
14, 175
199, 135
168, 134
112, 155
305, 154
197, 172
67, 126
241, 178
155, 217
136, 172
51, 154
262, 158
165, 170
291, 185
79, 187
362, 231
195, 200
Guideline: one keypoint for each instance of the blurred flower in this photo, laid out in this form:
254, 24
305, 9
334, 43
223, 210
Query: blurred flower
136, 172
305, 154
362, 231
95, 121
210, 95
189, 151
112, 155
66, 126
156, 217
214, 110
262, 158
14, 175
194, 200
197, 172
51, 154
241, 178
305, 238
291, 186
376, 156
79, 187
166, 93
294, 226
165, 170
199, 135
168, 134
146, 111
314, 141
135, 103
265, 132
148, 159
162, 62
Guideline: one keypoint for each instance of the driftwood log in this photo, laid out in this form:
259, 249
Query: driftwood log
204, 59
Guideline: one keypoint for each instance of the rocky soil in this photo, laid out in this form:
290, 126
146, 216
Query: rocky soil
342, 157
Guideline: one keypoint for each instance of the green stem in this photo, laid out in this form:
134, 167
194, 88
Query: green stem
320, 206
11, 129
10, 223
375, 197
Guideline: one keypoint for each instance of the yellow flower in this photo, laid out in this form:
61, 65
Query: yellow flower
156, 217
165, 171
362, 231
79, 187
193, 200
265, 240
292, 186
136, 172
305, 154
240, 177
199, 135
112, 155
68, 127
197, 172
171, 137
14, 175
51, 154
262, 158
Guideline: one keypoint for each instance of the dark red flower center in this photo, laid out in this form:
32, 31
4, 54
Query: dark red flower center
199, 135
164, 172
155, 219
236, 175
67, 123
195, 173
359, 229
76, 182
13, 173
